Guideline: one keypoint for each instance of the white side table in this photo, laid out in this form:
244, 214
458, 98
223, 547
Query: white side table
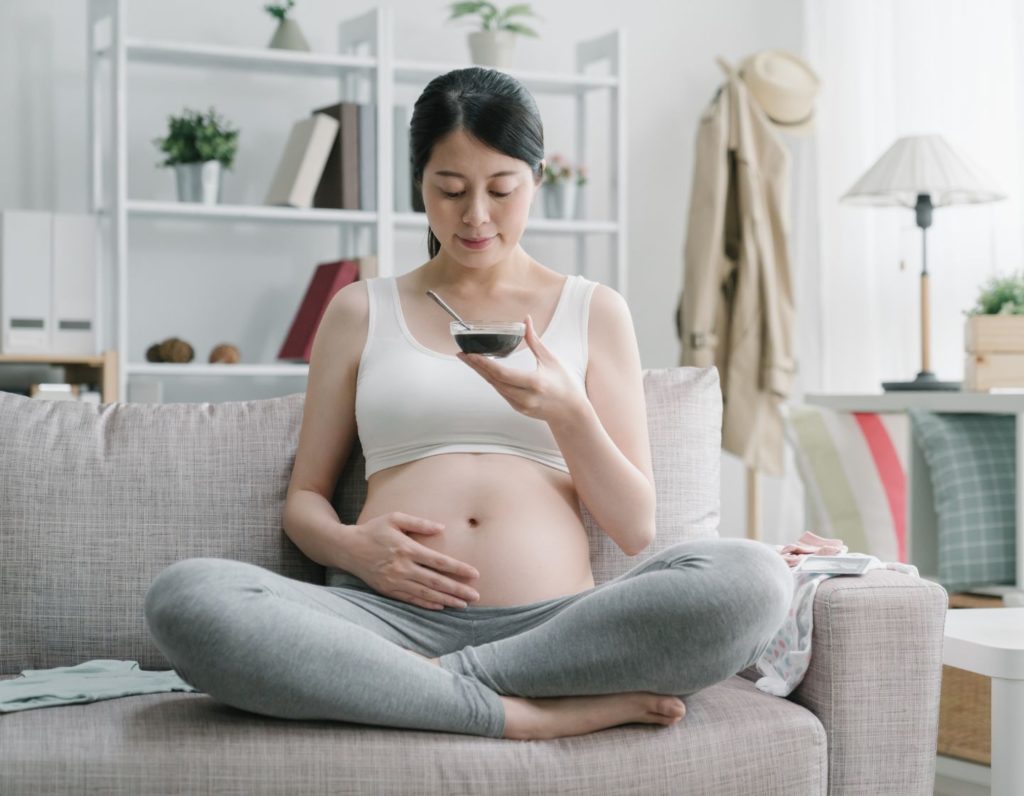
990, 641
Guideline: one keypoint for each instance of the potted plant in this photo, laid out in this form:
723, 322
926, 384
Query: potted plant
198, 145
288, 36
493, 44
559, 187
994, 335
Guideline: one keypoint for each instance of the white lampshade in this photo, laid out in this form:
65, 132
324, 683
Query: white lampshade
922, 164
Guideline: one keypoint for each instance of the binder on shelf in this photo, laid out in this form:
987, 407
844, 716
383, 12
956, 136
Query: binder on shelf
303, 161
339, 184
403, 168
25, 281
327, 280
73, 311
367, 157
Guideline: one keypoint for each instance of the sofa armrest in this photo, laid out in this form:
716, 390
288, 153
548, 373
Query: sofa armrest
874, 680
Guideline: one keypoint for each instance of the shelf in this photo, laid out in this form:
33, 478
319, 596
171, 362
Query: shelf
218, 370
222, 212
417, 73
89, 360
246, 59
543, 225
933, 401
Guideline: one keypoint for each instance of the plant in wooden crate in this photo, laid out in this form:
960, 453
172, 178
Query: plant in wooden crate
994, 335
198, 145
493, 44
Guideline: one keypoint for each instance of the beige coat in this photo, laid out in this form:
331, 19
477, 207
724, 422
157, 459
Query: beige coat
736, 309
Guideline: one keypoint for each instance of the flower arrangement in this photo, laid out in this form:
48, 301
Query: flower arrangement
279, 11
559, 170
493, 18
1001, 295
195, 137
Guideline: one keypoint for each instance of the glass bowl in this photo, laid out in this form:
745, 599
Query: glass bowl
490, 338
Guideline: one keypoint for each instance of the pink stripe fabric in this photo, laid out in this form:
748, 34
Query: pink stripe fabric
890, 473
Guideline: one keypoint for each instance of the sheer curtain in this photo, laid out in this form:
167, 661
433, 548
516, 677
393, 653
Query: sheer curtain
888, 69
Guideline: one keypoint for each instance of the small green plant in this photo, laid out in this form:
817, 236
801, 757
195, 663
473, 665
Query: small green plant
196, 137
581, 175
1001, 295
493, 18
279, 10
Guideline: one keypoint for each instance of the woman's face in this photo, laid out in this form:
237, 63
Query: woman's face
477, 199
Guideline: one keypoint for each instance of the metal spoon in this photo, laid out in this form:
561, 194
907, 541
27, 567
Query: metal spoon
446, 308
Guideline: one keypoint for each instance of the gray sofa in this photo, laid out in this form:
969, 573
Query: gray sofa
95, 501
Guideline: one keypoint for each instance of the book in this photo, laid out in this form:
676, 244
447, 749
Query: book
302, 162
339, 184
327, 280
403, 167
367, 157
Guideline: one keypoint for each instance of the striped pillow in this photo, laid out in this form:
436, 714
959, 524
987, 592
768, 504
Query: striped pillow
853, 466
972, 461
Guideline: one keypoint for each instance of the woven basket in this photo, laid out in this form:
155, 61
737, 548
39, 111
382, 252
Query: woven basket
965, 706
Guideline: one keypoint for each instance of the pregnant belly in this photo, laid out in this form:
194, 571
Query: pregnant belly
516, 521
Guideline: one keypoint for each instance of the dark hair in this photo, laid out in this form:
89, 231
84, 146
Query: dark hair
490, 105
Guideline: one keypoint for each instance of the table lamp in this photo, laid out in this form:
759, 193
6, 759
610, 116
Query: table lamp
922, 172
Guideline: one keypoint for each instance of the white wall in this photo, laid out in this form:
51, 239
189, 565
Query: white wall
188, 277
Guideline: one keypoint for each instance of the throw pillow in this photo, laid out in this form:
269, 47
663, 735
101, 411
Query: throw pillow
972, 460
853, 467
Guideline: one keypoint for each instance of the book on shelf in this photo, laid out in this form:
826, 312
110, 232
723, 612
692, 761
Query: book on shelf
403, 166
302, 162
327, 279
339, 182
367, 157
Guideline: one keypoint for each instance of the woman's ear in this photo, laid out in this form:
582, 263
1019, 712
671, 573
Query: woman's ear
540, 172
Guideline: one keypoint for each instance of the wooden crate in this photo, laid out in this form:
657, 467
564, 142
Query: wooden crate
983, 371
993, 334
965, 704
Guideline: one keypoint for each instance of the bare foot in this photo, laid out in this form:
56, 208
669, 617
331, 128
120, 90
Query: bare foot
557, 717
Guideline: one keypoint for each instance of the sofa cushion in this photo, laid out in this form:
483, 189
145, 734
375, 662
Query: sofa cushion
96, 500
734, 739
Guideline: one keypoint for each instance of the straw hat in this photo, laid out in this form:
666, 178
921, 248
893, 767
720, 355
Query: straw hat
784, 86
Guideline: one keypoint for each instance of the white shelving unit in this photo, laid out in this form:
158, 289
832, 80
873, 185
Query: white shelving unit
367, 71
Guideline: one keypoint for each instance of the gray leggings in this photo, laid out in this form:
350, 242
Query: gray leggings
690, 616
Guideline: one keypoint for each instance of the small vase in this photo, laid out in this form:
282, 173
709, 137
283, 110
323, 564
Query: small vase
558, 200
199, 182
288, 36
492, 48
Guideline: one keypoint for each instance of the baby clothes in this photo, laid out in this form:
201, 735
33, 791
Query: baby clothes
787, 657
85, 682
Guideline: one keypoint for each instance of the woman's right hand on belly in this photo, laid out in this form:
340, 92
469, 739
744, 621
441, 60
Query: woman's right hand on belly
384, 556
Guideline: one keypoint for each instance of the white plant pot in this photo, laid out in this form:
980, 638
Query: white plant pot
558, 198
492, 47
288, 36
199, 182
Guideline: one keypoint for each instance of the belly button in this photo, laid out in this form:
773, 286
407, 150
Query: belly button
473, 522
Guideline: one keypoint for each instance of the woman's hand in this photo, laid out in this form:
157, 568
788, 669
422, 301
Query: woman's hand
382, 555
547, 393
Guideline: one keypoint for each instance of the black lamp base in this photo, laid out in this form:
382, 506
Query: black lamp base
925, 381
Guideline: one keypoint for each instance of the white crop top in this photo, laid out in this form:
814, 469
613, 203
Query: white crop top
412, 401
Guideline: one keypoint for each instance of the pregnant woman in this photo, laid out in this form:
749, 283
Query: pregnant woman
466, 602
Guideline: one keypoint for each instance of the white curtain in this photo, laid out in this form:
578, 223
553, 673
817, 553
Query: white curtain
888, 69
891, 68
